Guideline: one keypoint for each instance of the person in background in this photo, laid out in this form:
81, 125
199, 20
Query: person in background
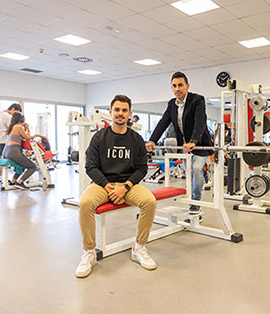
170, 139
116, 161
44, 141
187, 113
16, 133
5, 119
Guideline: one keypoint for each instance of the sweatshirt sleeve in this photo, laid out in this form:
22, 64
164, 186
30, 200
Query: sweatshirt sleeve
92, 164
140, 163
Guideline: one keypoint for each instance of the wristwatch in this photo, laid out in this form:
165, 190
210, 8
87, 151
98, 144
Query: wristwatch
127, 187
193, 141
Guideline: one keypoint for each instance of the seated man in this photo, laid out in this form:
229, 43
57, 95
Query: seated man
116, 161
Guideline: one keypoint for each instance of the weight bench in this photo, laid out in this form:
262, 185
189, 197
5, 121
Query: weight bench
158, 176
7, 163
104, 249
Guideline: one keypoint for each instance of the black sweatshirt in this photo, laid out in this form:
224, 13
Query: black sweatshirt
113, 157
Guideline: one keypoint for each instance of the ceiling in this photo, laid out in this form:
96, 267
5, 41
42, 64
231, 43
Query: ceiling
148, 29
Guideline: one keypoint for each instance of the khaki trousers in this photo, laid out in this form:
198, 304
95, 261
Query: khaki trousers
95, 195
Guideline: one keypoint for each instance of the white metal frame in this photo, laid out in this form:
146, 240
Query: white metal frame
226, 232
171, 224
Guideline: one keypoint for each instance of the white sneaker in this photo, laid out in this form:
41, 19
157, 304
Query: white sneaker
88, 260
141, 256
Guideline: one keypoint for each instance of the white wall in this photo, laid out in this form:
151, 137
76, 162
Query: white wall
29, 86
156, 88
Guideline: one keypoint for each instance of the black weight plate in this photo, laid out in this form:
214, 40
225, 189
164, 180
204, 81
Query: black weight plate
75, 156
266, 124
256, 159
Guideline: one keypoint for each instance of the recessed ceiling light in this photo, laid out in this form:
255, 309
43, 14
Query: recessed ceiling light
89, 72
63, 54
14, 56
147, 62
192, 7
256, 42
214, 99
72, 40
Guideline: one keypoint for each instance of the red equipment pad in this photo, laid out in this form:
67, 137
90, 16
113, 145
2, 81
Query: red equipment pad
26, 145
160, 194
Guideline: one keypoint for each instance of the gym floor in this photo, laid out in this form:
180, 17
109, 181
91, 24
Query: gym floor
40, 248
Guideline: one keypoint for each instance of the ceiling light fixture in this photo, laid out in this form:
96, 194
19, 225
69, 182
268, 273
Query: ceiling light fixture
256, 42
83, 59
89, 72
14, 56
113, 29
72, 40
63, 54
147, 62
192, 7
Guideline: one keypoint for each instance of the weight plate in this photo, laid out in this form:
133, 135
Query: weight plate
257, 186
75, 156
258, 103
266, 124
256, 159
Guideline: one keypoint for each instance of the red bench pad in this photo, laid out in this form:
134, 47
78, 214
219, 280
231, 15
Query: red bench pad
160, 194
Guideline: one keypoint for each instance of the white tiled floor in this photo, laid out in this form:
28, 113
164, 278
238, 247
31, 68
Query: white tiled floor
40, 247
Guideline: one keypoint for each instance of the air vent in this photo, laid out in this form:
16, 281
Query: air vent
31, 70
83, 59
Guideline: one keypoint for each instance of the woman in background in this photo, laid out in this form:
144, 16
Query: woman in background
17, 132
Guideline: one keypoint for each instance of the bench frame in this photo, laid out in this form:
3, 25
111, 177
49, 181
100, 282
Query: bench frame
168, 227
172, 224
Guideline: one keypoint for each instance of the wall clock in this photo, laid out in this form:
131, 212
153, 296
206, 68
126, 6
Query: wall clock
222, 79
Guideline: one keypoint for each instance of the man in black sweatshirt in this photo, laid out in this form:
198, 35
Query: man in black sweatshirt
116, 161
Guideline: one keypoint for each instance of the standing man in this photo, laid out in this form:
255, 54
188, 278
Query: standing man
116, 161
187, 113
5, 118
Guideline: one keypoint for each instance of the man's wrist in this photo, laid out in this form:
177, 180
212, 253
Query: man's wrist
194, 141
127, 187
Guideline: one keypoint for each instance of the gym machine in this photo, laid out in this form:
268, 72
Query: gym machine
258, 184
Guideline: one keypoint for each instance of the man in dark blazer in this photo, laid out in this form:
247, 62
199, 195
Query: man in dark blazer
187, 113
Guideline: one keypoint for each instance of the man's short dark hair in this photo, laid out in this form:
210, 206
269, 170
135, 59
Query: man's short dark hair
178, 75
121, 98
16, 107
44, 141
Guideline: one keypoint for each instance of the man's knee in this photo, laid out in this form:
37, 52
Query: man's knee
150, 203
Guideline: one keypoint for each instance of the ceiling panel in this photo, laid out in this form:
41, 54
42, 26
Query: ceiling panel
213, 17
248, 8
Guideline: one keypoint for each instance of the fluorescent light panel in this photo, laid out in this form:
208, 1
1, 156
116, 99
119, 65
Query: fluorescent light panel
14, 56
256, 42
89, 72
192, 7
72, 40
147, 62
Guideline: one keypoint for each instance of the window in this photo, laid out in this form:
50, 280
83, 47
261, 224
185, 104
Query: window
4, 104
41, 119
66, 135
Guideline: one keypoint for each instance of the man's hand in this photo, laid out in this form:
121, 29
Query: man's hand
109, 187
117, 194
188, 147
150, 145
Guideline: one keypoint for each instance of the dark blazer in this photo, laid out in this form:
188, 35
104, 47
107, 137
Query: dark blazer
194, 123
